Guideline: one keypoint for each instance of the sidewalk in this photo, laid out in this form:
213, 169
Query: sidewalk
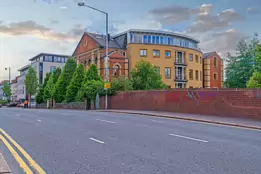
3, 166
228, 121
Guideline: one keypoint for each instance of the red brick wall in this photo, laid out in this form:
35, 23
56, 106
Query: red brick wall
220, 102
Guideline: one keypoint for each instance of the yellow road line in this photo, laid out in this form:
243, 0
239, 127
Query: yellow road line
26, 155
19, 160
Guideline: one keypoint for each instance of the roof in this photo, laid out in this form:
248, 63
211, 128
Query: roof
207, 55
101, 40
47, 54
158, 32
24, 68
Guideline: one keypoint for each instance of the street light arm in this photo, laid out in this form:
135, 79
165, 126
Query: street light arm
95, 9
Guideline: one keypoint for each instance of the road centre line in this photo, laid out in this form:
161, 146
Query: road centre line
19, 160
98, 141
106, 121
157, 121
25, 154
189, 138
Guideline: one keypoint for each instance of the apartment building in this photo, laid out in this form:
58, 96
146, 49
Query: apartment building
21, 89
213, 68
46, 62
177, 56
14, 88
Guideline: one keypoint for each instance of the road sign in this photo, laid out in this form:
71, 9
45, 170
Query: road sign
107, 86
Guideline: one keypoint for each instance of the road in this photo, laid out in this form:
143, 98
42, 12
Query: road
83, 142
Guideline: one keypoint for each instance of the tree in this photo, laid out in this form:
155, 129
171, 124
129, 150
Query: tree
75, 83
255, 80
241, 67
92, 88
48, 91
56, 74
31, 82
7, 90
64, 80
91, 74
145, 76
40, 95
120, 84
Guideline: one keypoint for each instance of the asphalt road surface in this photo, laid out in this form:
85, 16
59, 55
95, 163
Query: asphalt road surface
83, 142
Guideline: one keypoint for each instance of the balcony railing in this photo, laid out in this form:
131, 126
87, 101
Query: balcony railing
180, 63
179, 78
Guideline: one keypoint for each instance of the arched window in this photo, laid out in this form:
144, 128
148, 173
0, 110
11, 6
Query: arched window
96, 60
89, 62
215, 61
116, 70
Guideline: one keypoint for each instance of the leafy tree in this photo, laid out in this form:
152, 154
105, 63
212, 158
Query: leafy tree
7, 90
64, 80
31, 82
56, 74
145, 76
49, 89
75, 83
92, 88
241, 67
255, 80
91, 74
40, 95
120, 84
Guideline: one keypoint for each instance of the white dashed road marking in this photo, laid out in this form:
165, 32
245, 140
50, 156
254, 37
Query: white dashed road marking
106, 121
189, 138
97, 141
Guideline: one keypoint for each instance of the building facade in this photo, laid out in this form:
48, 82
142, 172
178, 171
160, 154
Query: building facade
213, 70
44, 63
21, 89
14, 88
177, 56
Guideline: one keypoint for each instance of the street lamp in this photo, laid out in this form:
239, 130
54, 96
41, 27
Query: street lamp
82, 4
9, 74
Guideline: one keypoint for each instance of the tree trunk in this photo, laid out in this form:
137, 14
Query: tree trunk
54, 103
85, 104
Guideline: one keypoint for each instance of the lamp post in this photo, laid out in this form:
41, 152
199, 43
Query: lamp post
9, 74
82, 4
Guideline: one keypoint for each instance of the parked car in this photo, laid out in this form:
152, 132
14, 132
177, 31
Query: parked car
13, 104
21, 105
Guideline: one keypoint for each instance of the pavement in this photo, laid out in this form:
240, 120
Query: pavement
228, 121
83, 142
4, 168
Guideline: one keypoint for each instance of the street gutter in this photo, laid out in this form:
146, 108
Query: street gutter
4, 168
185, 118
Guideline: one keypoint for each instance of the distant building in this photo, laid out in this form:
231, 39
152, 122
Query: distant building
14, 88
177, 56
45, 62
213, 70
21, 90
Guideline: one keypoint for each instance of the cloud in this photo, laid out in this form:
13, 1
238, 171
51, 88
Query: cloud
230, 15
253, 10
63, 8
173, 14
31, 28
53, 21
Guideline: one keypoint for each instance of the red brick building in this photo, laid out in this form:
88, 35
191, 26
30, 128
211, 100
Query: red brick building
91, 49
213, 70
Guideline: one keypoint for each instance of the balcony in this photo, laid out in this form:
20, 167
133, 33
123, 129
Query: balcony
180, 62
179, 78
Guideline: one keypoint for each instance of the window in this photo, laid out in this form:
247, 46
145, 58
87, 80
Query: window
196, 58
153, 39
200, 59
196, 74
116, 70
167, 73
215, 76
131, 37
161, 39
165, 40
169, 40
143, 53
191, 57
215, 61
200, 75
191, 74
145, 39
55, 59
124, 54
149, 38
167, 54
86, 43
157, 39
156, 53
52, 68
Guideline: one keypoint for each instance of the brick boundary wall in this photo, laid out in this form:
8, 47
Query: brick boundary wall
74, 105
244, 103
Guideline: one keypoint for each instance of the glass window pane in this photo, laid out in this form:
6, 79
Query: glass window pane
168, 40
131, 37
145, 39
161, 39
165, 40
149, 38
154, 39
157, 39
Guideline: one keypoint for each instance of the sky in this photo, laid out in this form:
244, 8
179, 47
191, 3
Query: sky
30, 27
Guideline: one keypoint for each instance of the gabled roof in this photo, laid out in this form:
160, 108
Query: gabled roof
207, 55
24, 68
100, 39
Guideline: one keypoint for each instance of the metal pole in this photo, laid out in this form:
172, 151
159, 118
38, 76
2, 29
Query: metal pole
106, 59
9, 75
